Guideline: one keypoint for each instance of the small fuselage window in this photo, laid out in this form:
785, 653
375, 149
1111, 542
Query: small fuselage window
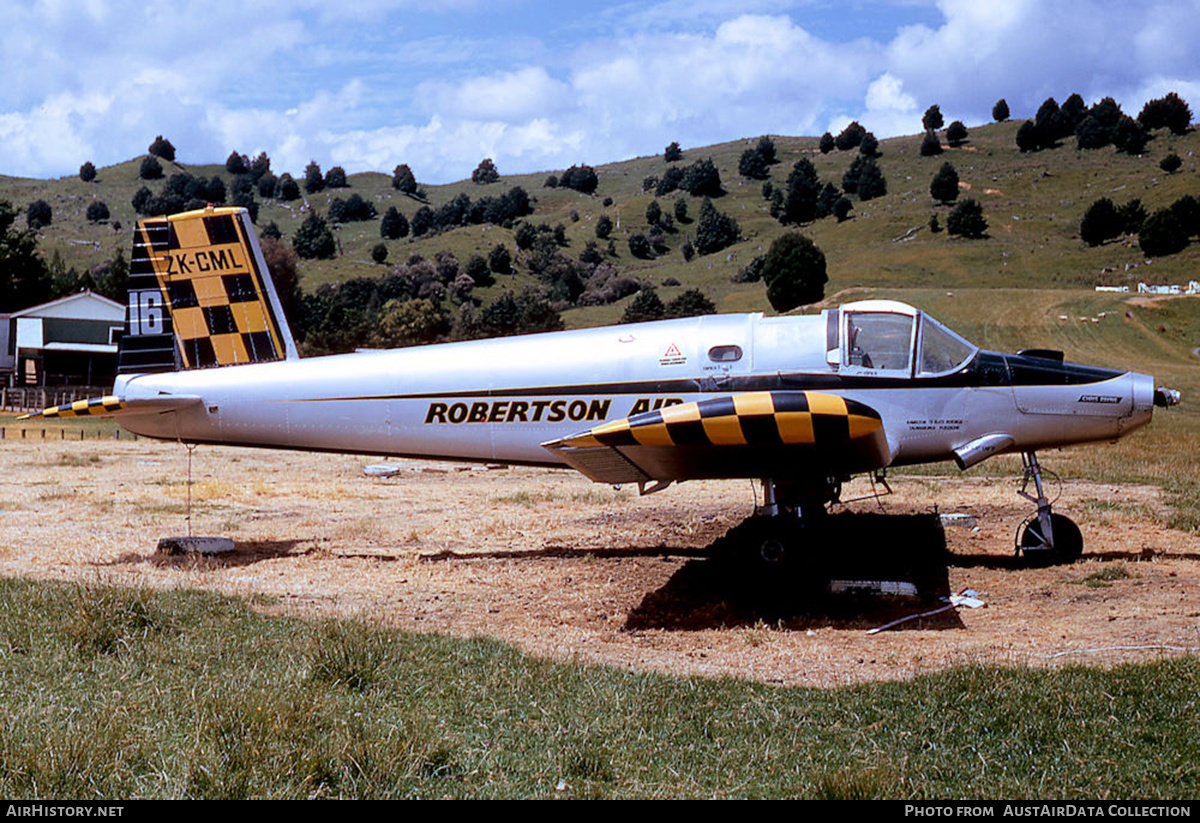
725, 354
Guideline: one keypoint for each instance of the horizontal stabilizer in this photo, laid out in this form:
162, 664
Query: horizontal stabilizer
756, 434
111, 405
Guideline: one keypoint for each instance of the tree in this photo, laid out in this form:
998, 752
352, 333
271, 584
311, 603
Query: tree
236, 163
794, 272
672, 152
314, 181
604, 226
394, 225
752, 165
826, 144
647, 305
690, 303
411, 322
379, 253
1130, 136
97, 211
956, 134
1027, 137
38, 215
500, 259
869, 147
639, 246
944, 187
1000, 111
1100, 222
422, 222
314, 240
930, 145
23, 276
932, 120
478, 270
287, 189
580, 178
801, 193
1089, 134
1049, 123
714, 230
335, 178
1170, 111
150, 169
161, 147
87, 172
967, 220
403, 179
871, 182
1072, 112
701, 179
681, 210
842, 208
766, 149
850, 137
1163, 233
526, 235
1171, 163
259, 166
485, 172
654, 213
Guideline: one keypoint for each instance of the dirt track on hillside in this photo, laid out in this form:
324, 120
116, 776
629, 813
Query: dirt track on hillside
567, 569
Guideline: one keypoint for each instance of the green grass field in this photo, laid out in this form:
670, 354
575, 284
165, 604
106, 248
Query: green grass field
114, 693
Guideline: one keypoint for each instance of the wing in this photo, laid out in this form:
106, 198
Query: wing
111, 404
757, 434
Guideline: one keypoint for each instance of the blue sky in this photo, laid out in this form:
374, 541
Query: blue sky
538, 85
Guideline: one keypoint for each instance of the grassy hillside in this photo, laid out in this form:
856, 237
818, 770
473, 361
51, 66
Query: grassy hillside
1033, 203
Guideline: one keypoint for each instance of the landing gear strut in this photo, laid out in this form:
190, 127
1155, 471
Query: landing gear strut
786, 511
1046, 538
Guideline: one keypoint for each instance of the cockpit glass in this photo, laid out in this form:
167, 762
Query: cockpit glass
942, 350
879, 340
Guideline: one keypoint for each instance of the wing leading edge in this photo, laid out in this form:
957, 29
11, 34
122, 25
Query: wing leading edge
755, 434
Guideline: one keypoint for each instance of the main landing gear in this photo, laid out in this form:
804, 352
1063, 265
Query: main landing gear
787, 512
1045, 538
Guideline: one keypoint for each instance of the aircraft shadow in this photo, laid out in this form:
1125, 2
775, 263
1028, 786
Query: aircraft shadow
884, 567
245, 553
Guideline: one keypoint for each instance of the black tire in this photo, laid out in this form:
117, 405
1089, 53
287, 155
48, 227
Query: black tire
1068, 542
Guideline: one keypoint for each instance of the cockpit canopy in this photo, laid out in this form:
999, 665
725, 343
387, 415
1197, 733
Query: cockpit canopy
887, 338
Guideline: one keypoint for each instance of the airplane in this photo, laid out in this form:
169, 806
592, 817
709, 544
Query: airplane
799, 403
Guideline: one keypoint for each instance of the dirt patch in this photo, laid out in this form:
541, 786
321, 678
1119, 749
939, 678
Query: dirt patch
564, 568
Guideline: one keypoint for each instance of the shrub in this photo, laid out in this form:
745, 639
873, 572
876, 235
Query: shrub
485, 172
714, 230
672, 152
87, 172
1100, 222
1163, 233
1171, 163
967, 220
403, 179
161, 147
39, 214
647, 305
944, 186
150, 169
1000, 111
313, 240
97, 210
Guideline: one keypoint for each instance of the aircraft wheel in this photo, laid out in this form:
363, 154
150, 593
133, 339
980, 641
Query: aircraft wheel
1068, 542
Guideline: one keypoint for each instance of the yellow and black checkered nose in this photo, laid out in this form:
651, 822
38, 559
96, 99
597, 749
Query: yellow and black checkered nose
81, 408
752, 419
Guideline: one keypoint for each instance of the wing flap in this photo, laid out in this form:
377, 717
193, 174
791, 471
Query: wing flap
755, 434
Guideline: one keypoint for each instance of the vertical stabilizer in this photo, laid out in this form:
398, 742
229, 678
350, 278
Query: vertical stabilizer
200, 295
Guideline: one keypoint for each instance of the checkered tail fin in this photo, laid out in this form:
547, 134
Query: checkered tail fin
200, 295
